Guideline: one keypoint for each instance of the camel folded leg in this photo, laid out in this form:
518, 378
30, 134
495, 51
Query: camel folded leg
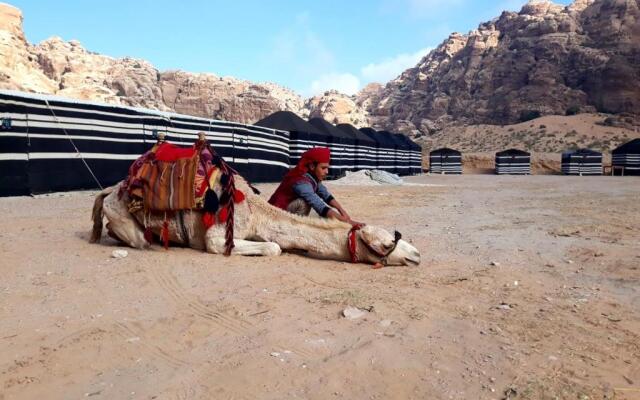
244, 247
121, 222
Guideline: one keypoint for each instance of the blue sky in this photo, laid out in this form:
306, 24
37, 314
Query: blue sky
307, 46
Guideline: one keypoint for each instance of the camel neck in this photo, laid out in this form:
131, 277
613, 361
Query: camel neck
295, 233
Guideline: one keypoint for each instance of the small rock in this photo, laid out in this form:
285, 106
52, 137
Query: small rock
553, 358
504, 306
275, 354
353, 313
385, 323
119, 253
495, 263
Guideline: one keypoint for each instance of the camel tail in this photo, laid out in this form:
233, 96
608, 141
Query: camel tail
96, 215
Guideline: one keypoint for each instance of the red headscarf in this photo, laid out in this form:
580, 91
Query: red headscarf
317, 154
284, 193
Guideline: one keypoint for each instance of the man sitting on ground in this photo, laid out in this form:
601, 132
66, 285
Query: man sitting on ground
302, 188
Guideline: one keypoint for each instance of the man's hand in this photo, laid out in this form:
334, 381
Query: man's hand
357, 224
347, 219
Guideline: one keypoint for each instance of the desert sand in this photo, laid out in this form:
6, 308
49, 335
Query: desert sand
528, 289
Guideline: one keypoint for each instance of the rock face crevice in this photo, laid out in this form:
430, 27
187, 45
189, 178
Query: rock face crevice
546, 59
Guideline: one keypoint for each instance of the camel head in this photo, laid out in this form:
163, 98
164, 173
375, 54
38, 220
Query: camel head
378, 243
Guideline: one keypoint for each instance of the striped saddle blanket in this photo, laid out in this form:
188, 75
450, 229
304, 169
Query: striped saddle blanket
169, 185
171, 178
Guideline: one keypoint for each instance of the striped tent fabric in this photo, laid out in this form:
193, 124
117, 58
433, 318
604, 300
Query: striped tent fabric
366, 148
50, 143
415, 155
394, 157
342, 145
379, 150
403, 152
445, 161
302, 135
259, 154
386, 153
627, 157
513, 162
582, 162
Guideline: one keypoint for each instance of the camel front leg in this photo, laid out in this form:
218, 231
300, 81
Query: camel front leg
243, 247
121, 222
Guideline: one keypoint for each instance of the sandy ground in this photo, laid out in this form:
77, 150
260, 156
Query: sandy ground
528, 289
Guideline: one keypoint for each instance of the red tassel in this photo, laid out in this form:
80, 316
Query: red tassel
223, 214
164, 234
238, 196
208, 219
148, 235
352, 244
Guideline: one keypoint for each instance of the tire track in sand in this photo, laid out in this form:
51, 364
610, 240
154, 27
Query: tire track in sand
170, 285
127, 333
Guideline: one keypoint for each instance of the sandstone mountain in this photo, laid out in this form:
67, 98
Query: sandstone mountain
67, 69
337, 108
55, 66
546, 59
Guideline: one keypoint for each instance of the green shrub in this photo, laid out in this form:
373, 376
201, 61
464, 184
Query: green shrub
528, 115
573, 110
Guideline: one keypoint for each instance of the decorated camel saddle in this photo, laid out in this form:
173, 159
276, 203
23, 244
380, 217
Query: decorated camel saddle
191, 197
169, 180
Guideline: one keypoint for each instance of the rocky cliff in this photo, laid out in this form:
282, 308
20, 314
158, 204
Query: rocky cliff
337, 108
67, 69
546, 59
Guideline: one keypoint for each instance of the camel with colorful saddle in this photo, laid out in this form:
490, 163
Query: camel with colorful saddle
192, 197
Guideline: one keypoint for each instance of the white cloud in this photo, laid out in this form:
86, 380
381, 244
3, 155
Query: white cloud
390, 68
343, 82
300, 53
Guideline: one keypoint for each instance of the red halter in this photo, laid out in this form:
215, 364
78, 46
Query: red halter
352, 245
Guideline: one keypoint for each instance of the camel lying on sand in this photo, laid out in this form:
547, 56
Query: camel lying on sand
260, 230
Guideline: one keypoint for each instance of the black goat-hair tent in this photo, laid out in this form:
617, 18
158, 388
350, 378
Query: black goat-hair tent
513, 162
415, 155
582, 162
385, 150
49, 143
445, 161
365, 147
403, 154
393, 151
342, 145
627, 156
302, 135
380, 144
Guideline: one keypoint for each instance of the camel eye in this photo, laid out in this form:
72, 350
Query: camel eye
387, 246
